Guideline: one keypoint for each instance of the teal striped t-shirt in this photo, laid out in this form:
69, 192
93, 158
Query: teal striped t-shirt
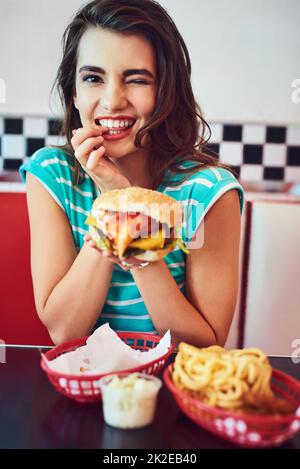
124, 307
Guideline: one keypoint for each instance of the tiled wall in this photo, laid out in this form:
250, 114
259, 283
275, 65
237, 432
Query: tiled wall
21, 137
257, 152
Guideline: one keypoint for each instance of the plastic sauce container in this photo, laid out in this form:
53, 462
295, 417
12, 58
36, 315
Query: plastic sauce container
129, 400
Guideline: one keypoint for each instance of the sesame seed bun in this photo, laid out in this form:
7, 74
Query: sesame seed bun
160, 207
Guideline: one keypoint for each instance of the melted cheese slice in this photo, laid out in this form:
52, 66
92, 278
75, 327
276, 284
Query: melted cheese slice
156, 241
91, 220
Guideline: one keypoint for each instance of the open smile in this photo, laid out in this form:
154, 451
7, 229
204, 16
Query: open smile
117, 133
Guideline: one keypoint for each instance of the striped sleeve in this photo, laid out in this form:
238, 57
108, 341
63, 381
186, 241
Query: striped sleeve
51, 167
201, 192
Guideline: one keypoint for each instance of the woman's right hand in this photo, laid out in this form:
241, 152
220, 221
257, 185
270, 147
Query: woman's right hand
129, 264
89, 151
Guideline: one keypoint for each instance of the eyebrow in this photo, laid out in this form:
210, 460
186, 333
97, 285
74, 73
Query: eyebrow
126, 73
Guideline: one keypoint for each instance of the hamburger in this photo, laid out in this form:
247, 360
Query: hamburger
136, 222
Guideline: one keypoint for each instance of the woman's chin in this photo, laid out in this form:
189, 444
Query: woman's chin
118, 150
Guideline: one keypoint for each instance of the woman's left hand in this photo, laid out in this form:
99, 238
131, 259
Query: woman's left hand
131, 263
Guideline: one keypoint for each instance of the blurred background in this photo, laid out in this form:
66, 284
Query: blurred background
246, 77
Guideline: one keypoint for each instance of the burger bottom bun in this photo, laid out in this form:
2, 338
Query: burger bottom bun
151, 256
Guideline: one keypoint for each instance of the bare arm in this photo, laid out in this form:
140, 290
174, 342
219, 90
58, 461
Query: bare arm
69, 288
204, 317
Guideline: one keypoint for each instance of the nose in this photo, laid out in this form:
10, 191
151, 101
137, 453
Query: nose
112, 96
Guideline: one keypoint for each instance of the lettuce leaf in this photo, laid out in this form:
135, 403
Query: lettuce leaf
180, 244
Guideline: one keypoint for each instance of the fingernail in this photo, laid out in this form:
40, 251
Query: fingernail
74, 131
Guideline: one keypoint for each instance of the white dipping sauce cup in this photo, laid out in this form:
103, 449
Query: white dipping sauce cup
129, 400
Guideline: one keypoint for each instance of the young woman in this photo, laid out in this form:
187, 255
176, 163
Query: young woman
130, 119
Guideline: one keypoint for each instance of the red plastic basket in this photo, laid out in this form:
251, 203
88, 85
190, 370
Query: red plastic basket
246, 430
86, 388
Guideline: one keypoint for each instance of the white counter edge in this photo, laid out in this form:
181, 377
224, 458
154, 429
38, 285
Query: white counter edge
12, 187
249, 195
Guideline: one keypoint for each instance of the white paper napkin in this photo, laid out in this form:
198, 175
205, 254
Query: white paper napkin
105, 352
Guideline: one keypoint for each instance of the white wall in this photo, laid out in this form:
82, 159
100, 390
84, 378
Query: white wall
273, 294
245, 55
30, 51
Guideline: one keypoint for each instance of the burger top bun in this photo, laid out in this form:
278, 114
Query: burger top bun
154, 204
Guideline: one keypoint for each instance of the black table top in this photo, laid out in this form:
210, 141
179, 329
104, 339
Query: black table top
34, 415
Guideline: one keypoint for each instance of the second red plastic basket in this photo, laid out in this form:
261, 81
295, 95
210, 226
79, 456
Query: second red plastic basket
248, 430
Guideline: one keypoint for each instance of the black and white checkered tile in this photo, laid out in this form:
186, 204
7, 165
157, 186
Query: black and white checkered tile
21, 137
259, 152
256, 152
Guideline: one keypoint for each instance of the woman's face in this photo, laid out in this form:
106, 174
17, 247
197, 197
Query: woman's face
115, 78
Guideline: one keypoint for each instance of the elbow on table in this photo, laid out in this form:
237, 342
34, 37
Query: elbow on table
221, 341
59, 337
57, 340
57, 332
221, 334
214, 337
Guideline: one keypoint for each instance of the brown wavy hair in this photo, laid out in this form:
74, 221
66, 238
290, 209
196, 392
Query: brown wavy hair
176, 128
